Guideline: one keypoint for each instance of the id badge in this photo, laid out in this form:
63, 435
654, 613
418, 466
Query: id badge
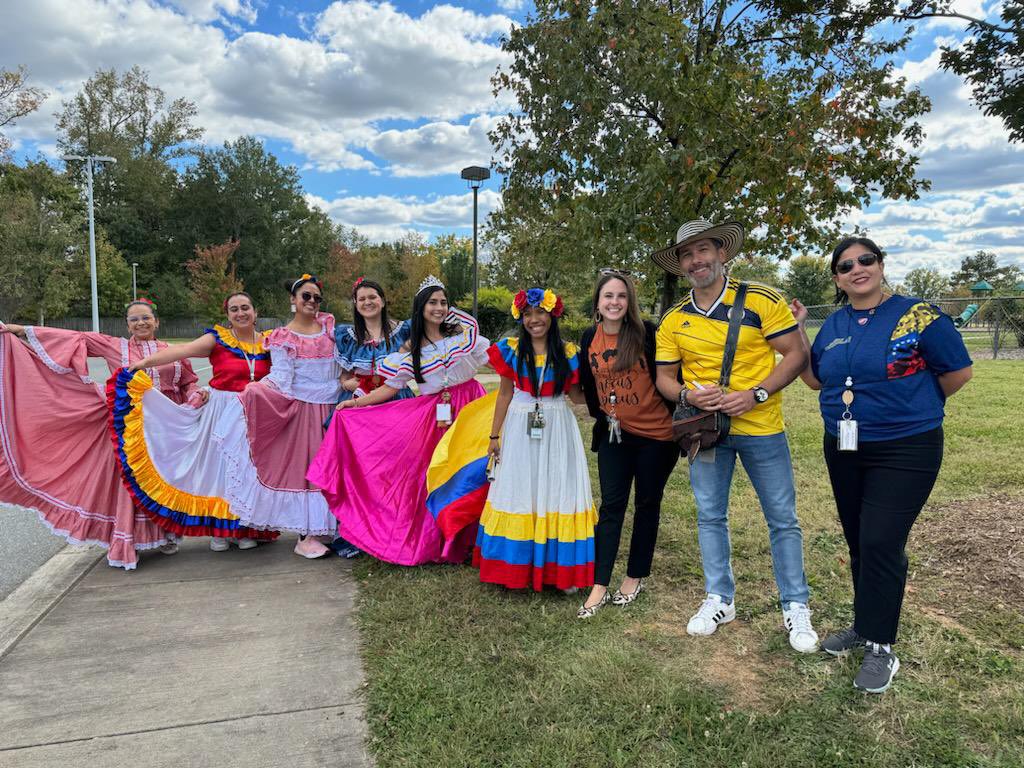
847, 435
444, 413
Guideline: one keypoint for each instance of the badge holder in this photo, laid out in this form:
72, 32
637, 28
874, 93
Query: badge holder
444, 411
614, 426
847, 425
535, 423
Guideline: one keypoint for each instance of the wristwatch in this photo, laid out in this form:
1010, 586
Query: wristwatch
760, 394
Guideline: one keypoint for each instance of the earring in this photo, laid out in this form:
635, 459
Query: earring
293, 309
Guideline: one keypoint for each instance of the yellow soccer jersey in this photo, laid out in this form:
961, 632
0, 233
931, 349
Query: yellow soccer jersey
696, 339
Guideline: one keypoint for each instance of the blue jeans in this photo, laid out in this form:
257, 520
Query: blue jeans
767, 462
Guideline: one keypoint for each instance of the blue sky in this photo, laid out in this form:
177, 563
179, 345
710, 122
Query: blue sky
380, 104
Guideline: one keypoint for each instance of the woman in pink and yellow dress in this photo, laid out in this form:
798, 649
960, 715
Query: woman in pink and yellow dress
373, 464
57, 460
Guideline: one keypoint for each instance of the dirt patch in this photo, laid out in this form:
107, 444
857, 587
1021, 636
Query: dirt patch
728, 661
976, 548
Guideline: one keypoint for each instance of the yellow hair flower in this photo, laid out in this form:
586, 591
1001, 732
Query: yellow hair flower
549, 300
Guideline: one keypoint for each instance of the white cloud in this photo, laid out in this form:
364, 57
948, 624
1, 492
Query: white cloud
365, 63
385, 217
436, 148
211, 10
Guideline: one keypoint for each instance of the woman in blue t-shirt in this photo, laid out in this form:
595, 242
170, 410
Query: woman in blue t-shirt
884, 365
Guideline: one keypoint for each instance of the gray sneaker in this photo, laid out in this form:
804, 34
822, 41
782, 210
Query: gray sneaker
877, 670
842, 642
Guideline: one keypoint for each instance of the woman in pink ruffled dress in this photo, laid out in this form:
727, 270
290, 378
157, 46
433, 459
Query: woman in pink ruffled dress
373, 464
285, 413
55, 455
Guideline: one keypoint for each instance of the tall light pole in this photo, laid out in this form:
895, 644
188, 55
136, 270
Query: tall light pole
135, 290
89, 160
476, 176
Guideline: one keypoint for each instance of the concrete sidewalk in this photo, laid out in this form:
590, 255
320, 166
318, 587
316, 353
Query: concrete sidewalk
198, 659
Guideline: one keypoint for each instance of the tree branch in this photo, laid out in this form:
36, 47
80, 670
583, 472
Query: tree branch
987, 25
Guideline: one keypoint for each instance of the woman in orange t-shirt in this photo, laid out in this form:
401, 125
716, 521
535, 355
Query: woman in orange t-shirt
632, 435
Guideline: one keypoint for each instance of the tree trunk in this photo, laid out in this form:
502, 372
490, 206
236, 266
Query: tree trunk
668, 292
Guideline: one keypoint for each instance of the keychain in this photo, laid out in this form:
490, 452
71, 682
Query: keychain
614, 427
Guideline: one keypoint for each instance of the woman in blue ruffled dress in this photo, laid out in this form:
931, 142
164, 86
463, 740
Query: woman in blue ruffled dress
363, 345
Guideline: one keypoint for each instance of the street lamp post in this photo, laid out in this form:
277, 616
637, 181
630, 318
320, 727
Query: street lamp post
89, 160
476, 176
135, 290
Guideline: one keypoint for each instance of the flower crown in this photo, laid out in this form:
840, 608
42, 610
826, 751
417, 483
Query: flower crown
141, 300
306, 276
544, 298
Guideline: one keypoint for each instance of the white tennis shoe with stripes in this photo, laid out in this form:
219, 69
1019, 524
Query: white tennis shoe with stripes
710, 615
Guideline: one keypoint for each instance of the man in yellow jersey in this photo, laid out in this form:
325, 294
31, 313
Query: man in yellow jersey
692, 336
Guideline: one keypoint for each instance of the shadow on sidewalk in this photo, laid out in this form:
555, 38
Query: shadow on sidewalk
237, 658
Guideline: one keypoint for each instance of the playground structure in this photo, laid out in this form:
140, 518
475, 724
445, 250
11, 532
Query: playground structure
965, 317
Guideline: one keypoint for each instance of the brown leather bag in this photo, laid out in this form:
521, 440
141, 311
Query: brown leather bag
695, 429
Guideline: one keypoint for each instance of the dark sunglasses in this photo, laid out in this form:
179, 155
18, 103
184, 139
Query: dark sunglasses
865, 260
316, 298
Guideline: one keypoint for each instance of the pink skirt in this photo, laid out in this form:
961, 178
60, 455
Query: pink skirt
372, 468
56, 459
267, 463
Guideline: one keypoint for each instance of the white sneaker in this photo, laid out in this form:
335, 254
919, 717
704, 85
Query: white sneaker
246, 543
711, 613
802, 636
219, 545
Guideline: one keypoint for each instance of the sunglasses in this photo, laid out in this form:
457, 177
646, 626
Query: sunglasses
604, 271
865, 260
316, 298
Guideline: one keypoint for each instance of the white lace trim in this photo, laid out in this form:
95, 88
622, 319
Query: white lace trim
37, 347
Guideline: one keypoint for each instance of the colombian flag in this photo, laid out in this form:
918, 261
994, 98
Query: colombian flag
457, 477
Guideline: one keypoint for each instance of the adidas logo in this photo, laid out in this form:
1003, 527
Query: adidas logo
686, 324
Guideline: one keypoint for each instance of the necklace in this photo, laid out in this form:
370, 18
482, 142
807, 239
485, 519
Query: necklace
250, 362
871, 312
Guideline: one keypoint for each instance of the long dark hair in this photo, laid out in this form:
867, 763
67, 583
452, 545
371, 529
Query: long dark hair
526, 361
630, 347
358, 322
418, 332
837, 254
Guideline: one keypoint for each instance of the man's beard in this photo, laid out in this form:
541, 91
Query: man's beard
715, 271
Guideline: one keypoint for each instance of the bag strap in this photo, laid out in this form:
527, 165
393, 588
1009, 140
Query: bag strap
733, 335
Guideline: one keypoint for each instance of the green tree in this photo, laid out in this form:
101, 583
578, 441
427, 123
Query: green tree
242, 192
124, 116
636, 116
17, 99
494, 305
757, 268
984, 265
809, 279
454, 254
925, 283
211, 278
42, 244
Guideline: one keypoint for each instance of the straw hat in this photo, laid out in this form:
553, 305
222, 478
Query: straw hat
730, 234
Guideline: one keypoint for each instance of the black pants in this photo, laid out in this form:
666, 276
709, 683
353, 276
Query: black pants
880, 489
649, 462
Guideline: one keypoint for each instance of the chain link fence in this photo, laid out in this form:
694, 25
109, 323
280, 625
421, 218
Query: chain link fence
991, 327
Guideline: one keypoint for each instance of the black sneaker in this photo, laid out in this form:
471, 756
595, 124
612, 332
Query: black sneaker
842, 642
877, 670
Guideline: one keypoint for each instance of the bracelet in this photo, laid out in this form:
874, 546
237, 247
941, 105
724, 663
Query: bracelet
683, 395
495, 437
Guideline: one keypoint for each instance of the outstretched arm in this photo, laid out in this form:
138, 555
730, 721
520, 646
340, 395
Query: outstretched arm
201, 347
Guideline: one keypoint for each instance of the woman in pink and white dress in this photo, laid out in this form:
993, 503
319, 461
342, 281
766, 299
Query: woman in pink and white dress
374, 460
56, 457
285, 413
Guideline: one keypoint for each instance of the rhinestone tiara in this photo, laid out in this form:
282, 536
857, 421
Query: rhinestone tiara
430, 282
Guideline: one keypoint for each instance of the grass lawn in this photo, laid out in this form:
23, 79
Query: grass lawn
463, 674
